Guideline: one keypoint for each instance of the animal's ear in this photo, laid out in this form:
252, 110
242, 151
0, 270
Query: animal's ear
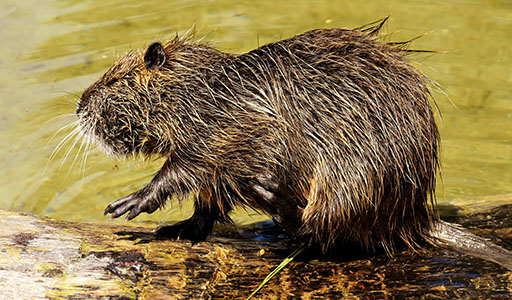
155, 56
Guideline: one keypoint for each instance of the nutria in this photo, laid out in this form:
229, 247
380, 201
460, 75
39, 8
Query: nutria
330, 132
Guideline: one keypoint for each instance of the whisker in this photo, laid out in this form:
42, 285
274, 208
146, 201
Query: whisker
75, 140
81, 137
64, 141
75, 95
74, 123
88, 146
61, 116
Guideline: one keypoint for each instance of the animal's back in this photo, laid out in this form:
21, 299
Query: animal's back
359, 141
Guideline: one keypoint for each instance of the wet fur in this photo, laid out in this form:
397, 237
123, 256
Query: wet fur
330, 132
336, 117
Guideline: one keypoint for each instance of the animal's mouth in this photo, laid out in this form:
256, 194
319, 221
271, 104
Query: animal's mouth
92, 132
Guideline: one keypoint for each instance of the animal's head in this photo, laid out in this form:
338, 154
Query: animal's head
127, 111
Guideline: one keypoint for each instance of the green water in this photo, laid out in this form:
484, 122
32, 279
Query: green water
52, 50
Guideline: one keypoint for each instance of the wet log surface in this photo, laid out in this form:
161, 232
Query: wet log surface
42, 258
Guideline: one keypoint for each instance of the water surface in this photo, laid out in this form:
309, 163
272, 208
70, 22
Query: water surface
52, 50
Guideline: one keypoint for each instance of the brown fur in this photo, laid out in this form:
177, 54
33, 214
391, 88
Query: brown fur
336, 121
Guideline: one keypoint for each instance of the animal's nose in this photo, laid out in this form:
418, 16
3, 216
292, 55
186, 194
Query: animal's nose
83, 99
80, 105
78, 108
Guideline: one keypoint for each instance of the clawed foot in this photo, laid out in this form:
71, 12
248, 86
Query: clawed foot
266, 188
278, 202
185, 230
134, 204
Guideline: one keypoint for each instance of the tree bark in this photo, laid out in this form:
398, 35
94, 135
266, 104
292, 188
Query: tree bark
42, 258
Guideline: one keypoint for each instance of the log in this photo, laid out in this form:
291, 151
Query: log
43, 258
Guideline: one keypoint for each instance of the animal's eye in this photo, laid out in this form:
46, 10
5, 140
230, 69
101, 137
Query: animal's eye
110, 81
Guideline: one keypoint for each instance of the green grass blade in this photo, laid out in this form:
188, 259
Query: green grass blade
286, 261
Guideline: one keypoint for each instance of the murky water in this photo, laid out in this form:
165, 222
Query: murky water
51, 50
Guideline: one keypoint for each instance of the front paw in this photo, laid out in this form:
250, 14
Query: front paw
134, 203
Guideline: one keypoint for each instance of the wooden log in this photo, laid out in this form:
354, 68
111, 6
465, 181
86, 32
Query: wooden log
42, 258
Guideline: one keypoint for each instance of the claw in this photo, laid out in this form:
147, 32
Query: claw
121, 206
268, 182
121, 210
134, 204
109, 208
132, 214
267, 188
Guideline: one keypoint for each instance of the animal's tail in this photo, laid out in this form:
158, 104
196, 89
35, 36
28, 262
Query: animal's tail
455, 237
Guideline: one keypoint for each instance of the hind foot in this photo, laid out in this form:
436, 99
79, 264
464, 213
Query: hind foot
196, 228
279, 202
185, 230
